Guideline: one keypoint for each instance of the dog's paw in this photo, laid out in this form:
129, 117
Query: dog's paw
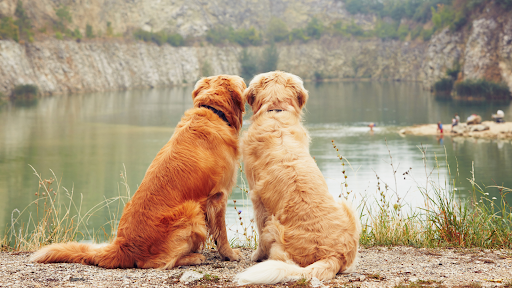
234, 256
257, 256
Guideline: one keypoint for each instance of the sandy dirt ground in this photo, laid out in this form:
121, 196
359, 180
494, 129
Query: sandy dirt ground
377, 267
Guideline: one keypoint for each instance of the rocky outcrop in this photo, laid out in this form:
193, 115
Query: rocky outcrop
69, 67
185, 17
481, 53
443, 52
483, 49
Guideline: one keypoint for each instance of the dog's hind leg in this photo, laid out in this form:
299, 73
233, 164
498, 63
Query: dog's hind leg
215, 215
185, 232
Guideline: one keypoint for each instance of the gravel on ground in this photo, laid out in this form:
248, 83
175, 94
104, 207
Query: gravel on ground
377, 267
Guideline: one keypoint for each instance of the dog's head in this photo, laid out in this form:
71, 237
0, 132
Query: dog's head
276, 90
224, 93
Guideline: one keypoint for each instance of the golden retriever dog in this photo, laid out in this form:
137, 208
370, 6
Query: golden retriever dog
183, 193
303, 231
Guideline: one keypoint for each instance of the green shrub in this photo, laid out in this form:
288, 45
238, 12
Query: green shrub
77, 34
348, 29
443, 85
23, 22
88, 31
8, 29
246, 37
416, 32
426, 34
298, 34
386, 30
110, 30
277, 30
483, 88
403, 31
442, 17
315, 28
24, 94
159, 37
175, 40
269, 58
248, 65
217, 35
58, 35
206, 69
65, 18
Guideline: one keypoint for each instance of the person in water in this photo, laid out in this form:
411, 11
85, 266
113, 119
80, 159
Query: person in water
440, 127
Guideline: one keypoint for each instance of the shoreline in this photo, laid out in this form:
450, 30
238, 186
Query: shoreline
377, 267
487, 130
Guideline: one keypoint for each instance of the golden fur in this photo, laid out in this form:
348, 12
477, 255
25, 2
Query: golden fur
299, 223
183, 193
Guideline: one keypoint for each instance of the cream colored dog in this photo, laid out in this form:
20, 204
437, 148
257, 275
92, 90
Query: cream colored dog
303, 231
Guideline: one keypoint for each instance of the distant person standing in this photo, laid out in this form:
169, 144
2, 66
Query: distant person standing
440, 127
455, 120
371, 125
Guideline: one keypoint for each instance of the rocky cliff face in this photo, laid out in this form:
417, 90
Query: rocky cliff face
69, 67
182, 16
483, 49
484, 52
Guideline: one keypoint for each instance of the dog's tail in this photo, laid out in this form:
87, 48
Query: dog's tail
273, 271
103, 255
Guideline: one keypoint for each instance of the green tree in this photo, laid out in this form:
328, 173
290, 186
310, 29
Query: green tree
277, 30
270, 57
315, 28
88, 31
23, 22
110, 30
8, 30
77, 34
64, 16
248, 65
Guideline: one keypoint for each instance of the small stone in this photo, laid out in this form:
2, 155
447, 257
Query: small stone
190, 276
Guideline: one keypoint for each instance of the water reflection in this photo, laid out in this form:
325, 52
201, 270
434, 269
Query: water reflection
86, 139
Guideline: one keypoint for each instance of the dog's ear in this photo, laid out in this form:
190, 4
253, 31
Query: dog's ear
200, 85
249, 95
239, 98
300, 91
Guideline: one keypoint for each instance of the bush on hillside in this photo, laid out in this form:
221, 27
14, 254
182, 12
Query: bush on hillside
298, 34
23, 22
269, 58
386, 30
248, 65
246, 37
443, 85
159, 38
8, 29
483, 88
315, 28
88, 31
277, 30
24, 94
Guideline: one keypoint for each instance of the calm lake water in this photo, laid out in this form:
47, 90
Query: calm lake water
87, 140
